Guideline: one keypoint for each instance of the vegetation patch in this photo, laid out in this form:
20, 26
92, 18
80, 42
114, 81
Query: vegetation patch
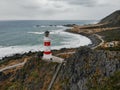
111, 35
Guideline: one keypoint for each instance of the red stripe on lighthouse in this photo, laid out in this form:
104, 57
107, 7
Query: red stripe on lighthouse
47, 43
47, 52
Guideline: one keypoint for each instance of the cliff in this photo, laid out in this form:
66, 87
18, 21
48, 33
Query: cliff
90, 70
85, 70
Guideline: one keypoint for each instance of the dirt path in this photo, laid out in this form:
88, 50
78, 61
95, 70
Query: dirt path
102, 41
13, 66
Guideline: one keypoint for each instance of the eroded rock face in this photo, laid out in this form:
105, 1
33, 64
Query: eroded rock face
87, 64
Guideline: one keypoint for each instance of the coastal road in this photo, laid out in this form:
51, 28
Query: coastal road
102, 41
98, 36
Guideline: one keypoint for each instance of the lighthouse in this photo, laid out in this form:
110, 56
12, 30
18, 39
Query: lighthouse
47, 54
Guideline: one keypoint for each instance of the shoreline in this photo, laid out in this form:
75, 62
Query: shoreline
22, 54
95, 41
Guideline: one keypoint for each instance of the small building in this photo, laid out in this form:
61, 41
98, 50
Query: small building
111, 44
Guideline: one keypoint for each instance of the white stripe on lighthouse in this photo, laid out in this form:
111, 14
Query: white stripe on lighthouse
47, 48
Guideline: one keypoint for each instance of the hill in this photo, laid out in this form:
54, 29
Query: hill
112, 20
35, 75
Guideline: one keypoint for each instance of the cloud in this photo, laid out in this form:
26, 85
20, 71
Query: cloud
86, 3
56, 9
90, 3
29, 8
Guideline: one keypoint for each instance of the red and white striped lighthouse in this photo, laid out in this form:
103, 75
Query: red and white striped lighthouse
47, 49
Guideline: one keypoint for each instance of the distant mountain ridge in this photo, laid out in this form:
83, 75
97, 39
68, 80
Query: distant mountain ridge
112, 20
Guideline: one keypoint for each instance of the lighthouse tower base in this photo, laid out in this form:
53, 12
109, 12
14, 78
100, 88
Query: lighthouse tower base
47, 57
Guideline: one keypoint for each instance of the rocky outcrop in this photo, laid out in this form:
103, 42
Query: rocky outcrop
69, 25
87, 67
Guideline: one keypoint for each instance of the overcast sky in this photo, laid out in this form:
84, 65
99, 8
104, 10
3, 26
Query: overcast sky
57, 9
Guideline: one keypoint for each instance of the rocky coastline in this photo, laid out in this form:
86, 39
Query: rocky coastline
95, 40
86, 69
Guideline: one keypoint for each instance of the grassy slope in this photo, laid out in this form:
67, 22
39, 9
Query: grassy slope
35, 75
112, 35
108, 36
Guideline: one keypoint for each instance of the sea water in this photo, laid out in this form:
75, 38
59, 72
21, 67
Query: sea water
22, 36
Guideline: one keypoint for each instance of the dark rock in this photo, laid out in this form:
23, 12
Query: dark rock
69, 25
4, 76
84, 64
38, 25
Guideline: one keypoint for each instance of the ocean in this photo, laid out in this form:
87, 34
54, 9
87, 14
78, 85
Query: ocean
20, 36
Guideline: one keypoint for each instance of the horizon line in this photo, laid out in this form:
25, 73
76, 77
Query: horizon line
45, 20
